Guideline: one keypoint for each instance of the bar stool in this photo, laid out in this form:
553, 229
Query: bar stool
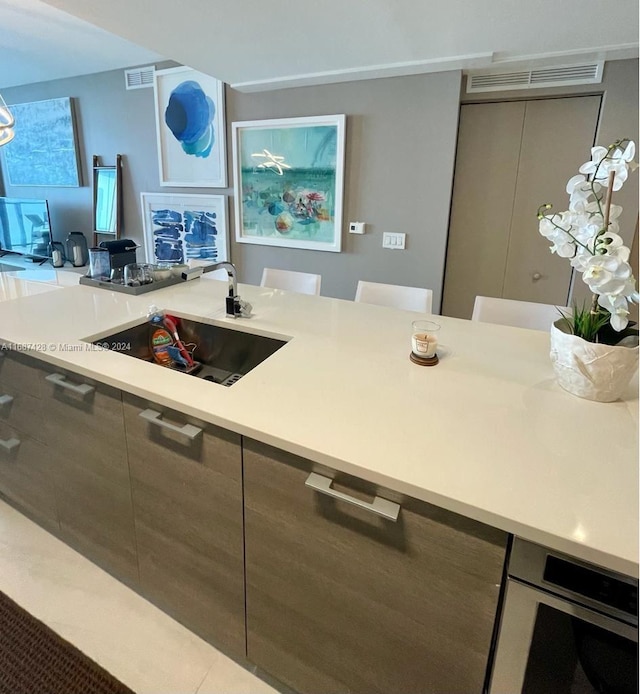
290, 280
518, 314
408, 298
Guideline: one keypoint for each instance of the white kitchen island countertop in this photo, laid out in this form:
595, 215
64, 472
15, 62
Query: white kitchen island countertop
21, 277
486, 433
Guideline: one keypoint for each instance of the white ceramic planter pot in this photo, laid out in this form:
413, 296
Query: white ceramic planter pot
591, 370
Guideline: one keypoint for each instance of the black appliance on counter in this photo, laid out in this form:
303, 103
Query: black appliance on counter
121, 252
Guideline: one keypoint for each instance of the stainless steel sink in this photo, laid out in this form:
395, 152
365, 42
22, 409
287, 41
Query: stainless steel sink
225, 355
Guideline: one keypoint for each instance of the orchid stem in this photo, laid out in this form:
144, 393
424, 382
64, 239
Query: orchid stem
607, 202
607, 212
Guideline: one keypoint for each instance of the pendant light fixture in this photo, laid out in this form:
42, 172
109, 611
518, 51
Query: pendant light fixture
7, 121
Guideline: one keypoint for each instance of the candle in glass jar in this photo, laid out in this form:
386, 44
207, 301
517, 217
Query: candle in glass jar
424, 340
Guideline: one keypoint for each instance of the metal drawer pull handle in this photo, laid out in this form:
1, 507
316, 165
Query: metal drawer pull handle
381, 507
61, 380
153, 417
5, 400
9, 444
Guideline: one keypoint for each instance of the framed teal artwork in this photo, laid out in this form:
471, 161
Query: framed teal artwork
288, 182
43, 151
190, 128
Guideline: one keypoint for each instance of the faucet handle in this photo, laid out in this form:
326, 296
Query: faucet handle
243, 308
237, 308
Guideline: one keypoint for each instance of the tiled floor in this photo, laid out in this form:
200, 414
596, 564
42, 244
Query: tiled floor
129, 637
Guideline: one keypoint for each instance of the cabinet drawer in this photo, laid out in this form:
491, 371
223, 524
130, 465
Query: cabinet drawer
20, 371
21, 411
84, 430
187, 495
26, 476
340, 599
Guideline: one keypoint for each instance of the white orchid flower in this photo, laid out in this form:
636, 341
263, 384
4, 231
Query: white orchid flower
576, 181
621, 169
597, 155
629, 151
603, 161
579, 260
594, 249
606, 274
561, 243
617, 307
580, 190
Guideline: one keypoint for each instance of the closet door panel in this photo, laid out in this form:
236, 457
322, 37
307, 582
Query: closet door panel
557, 138
483, 193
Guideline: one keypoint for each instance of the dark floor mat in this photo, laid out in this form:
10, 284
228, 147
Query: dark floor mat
35, 660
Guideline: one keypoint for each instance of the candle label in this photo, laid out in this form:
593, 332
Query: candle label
424, 345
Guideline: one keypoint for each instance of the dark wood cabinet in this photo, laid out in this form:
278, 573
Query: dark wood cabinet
340, 599
187, 494
26, 478
326, 582
86, 444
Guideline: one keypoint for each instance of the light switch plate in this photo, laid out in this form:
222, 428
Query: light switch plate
393, 241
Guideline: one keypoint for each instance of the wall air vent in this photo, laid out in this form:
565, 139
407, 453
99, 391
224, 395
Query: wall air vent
139, 77
589, 73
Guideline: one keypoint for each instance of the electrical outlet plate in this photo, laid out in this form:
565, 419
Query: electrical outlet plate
356, 227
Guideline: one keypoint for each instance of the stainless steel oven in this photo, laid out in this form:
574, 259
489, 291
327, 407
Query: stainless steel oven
567, 627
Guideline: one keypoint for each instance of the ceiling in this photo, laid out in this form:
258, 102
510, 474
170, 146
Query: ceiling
253, 44
39, 43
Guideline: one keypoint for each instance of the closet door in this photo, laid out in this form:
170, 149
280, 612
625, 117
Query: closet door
484, 187
557, 138
512, 157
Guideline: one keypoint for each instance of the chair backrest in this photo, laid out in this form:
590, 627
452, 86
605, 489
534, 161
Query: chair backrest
519, 314
290, 280
220, 274
408, 298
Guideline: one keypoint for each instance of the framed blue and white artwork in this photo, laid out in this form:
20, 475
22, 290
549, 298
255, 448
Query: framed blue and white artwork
43, 151
190, 128
181, 228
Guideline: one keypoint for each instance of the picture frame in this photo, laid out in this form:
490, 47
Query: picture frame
190, 128
43, 151
181, 228
288, 176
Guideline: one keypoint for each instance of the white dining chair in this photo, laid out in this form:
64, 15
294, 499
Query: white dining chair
292, 281
518, 314
397, 296
220, 274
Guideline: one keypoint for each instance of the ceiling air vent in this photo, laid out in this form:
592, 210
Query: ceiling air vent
139, 77
590, 73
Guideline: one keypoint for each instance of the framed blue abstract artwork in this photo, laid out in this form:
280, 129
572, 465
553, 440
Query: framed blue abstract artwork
190, 128
288, 182
43, 151
182, 228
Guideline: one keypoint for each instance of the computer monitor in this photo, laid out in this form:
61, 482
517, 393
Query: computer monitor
25, 227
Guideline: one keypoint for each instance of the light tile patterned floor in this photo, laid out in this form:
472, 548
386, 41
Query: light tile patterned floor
140, 645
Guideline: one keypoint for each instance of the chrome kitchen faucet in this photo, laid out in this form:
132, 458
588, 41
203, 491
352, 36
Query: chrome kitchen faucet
235, 307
